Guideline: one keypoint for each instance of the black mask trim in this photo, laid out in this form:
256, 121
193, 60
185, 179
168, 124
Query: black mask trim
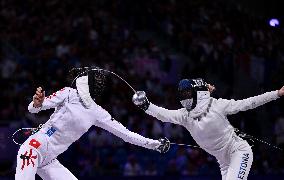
96, 82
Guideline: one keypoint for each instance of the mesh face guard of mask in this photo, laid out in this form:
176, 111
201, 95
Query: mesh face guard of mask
187, 91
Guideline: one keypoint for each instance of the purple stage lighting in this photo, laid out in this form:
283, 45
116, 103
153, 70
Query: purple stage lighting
274, 22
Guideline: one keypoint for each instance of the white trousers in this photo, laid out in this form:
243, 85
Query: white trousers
238, 162
34, 156
31, 160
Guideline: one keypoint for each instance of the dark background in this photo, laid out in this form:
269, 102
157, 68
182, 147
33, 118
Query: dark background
153, 44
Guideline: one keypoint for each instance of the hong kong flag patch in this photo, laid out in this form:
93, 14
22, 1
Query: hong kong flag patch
34, 143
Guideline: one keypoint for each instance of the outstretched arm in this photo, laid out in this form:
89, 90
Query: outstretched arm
106, 122
40, 102
234, 106
165, 115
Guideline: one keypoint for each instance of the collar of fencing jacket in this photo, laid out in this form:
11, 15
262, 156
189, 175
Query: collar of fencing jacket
203, 99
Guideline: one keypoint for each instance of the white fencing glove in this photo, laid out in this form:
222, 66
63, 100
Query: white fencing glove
140, 99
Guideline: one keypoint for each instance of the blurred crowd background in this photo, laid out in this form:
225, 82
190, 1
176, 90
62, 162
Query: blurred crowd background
153, 44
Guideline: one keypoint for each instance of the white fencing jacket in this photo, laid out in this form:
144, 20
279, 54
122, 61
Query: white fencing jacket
211, 130
71, 119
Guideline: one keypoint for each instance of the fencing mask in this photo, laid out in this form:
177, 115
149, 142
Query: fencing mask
188, 92
90, 83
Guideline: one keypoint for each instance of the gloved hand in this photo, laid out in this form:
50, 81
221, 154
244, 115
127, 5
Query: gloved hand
140, 99
164, 146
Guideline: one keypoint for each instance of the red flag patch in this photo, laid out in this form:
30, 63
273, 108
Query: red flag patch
34, 143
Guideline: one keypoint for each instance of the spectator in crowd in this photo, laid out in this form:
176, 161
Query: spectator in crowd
132, 167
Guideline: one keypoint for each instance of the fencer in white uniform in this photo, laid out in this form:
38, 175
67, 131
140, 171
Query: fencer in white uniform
75, 112
206, 120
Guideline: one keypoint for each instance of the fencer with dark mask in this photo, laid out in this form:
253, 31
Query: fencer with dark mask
206, 119
75, 112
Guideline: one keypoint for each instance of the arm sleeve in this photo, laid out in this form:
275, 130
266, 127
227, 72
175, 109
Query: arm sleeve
165, 115
104, 120
234, 106
51, 101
